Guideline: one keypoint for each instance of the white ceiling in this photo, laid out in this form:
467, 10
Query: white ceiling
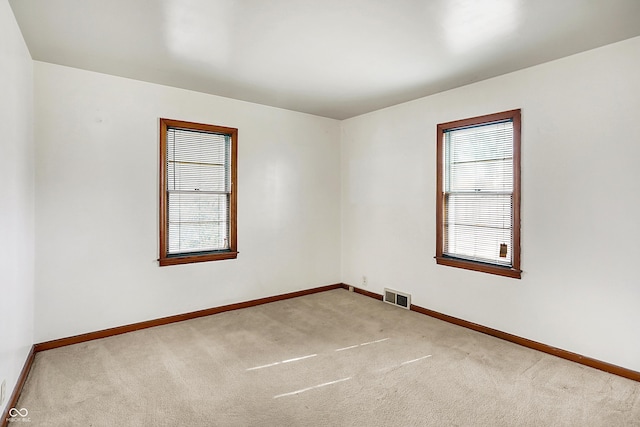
333, 58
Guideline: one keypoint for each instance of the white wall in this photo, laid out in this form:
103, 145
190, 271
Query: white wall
97, 203
16, 200
580, 204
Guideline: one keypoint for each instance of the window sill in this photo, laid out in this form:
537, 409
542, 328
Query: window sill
478, 266
189, 259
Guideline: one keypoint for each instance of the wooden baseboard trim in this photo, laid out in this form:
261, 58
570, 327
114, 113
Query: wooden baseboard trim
564, 354
13, 400
363, 292
48, 345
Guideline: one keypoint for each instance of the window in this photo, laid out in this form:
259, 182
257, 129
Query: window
478, 194
198, 192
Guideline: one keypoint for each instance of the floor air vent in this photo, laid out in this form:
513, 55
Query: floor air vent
397, 298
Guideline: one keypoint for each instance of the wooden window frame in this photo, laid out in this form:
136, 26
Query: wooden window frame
442, 259
232, 253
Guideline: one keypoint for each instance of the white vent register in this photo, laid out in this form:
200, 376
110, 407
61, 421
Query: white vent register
397, 298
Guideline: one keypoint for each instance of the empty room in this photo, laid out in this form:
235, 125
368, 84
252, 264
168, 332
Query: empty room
305, 212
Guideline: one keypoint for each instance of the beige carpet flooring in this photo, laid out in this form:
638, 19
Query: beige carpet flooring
328, 359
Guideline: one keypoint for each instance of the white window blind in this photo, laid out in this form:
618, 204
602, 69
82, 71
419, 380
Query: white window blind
198, 191
478, 193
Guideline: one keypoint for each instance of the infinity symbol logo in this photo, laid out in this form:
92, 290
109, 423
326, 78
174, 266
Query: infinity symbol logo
13, 412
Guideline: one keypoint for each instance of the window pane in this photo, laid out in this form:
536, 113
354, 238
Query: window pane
476, 226
480, 158
479, 143
198, 222
200, 177
198, 160
478, 192
487, 175
196, 146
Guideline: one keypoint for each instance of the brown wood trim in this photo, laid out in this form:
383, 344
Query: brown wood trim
515, 209
515, 271
564, 354
363, 292
48, 345
440, 199
13, 400
478, 266
163, 259
162, 188
233, 198
197, 258
554, 351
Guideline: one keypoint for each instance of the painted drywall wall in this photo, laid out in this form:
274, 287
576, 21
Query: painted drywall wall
97, 203
580, 205
16, 201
